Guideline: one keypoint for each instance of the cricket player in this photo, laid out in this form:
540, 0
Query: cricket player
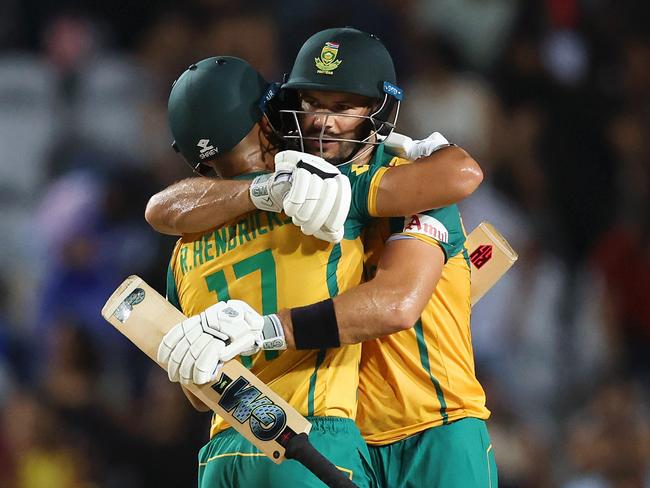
427, 428
325, 389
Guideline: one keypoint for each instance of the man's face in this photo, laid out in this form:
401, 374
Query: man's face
333, 121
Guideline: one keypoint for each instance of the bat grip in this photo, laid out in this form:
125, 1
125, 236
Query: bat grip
300, 449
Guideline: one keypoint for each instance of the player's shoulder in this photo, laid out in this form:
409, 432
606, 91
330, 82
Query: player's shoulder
396, 161
441, 225
380, 159
447, 218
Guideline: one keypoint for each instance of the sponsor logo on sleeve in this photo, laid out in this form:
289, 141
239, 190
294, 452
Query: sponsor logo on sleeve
426, 226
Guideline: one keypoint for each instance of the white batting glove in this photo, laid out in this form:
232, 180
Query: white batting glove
412, 149
193, 351
320, 196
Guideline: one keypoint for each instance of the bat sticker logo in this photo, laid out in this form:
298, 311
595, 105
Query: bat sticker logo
481, 255
136, 296
247, 404
124, 309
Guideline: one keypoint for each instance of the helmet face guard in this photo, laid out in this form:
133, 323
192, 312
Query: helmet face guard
379, 124
344, 60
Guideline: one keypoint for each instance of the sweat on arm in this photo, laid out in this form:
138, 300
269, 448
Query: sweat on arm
445, 177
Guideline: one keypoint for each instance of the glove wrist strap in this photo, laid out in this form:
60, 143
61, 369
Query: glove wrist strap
260, 195
273, 334
268, 190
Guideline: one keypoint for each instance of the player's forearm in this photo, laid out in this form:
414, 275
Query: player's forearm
367, 312
445, 177
379, 308
391, 302
197, 204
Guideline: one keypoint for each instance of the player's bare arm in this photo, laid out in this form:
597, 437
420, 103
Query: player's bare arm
197, 204
406, 277
305, 187
391, 302
446, 176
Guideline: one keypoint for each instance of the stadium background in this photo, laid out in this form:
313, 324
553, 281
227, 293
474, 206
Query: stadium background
551, 97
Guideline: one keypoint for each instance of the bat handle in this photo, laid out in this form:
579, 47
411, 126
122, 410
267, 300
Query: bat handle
300, 449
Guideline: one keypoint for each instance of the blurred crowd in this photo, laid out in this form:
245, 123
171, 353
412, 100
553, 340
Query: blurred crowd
552, 97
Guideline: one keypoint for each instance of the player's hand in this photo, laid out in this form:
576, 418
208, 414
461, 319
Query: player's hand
425, 147
413, 149
193, 350
320, 196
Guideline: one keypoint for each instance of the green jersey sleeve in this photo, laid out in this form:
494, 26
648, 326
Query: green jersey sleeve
172, 292
364, 182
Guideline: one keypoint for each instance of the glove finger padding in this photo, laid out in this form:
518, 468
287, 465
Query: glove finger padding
208, 363
287, 160
169, 341
341, 207
329, 235
186, 370
176, 358
307, 209
192, 328
299, 191
323, 208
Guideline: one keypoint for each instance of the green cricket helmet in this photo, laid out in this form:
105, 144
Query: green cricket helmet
213, 105
345, 60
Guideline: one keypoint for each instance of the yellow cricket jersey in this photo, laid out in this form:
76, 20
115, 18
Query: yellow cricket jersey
265, 260
422, 377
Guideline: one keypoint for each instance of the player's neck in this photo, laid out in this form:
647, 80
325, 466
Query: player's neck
367, 152
253, 154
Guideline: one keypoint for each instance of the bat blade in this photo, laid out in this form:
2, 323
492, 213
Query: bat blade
243, 400
490, 256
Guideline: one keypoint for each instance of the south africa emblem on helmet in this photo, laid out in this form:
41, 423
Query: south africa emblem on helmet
327, 61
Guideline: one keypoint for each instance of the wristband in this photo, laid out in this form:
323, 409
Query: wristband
315, 326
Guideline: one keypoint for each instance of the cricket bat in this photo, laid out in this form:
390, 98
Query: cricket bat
238, 396
490, 256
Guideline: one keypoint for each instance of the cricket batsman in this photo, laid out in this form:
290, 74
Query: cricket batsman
192, 367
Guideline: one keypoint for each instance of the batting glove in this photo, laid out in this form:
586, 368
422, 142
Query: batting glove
405, 147
320, 196
268, 191
193, 350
